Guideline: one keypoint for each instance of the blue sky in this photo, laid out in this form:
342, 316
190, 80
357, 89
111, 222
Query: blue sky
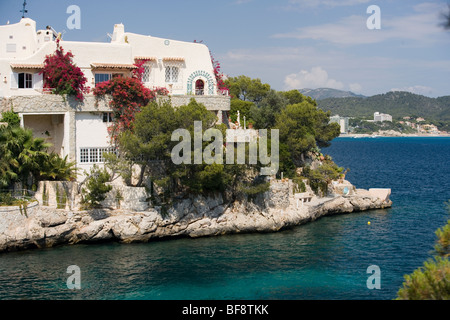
290, 44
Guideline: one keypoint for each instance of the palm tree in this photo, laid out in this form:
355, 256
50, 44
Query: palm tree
7, 173
22, 152
55, 168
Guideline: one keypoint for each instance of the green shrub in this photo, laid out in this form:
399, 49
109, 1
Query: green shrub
11, 118
320, 178
96, 188
299, 185
258, 186
430, 282
6, 199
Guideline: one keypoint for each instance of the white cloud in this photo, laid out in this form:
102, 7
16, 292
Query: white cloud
239, 2
327, 3
355, 87
421, 26
316, 78
418, 89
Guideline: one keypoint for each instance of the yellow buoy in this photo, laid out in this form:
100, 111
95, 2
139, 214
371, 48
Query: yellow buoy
368, 223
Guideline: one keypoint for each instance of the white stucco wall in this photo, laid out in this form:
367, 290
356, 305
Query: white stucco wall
196, 65
192, 59
21, 36
91, 132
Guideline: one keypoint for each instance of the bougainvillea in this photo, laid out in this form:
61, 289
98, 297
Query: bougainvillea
139, 71
221, 86
62, 76
128, 95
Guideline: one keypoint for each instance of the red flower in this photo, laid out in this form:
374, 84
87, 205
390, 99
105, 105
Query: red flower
128, 96
62, 75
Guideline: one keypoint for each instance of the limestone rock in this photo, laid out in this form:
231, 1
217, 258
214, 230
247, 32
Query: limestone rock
199, 216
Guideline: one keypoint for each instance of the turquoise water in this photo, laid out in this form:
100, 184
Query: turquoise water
326, 259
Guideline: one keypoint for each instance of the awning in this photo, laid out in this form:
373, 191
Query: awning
26, 66
145, 58
113, 66
173, 59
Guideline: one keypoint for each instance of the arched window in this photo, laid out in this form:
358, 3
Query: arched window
199, 87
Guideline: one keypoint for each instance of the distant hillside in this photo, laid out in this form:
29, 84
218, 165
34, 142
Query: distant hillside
398, 104
324, 93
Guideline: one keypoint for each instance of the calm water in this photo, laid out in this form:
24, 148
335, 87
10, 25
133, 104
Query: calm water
327, 259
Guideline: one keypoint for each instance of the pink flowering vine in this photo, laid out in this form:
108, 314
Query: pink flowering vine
218, 74
62, 76
128, 95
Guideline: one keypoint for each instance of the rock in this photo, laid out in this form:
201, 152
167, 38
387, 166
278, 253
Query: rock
92, 231
58, 235
383, 194
147, 225
194, 217
124, 228
51, 218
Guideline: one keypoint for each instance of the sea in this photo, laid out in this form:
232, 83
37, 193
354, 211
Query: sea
341, 257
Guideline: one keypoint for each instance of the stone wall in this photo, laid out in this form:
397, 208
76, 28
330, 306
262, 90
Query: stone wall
49, 103
57, 194
213, 103
64, 195
127, 198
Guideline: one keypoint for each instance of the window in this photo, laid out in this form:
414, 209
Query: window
11, 47
199, 87
146, 74
84, 155
172, 74
25, 81
107, 117
102, 77
94, 155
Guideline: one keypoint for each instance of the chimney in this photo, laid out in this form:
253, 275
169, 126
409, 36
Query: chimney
119, 32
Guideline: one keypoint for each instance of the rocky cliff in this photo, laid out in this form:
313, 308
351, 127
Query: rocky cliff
197, 216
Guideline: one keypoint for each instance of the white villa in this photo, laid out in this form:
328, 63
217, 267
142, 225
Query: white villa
79, 130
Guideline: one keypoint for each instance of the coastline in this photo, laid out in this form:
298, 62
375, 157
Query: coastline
393, 135
275, 210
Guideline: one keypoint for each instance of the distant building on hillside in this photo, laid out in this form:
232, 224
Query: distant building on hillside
380, 117
342, 121
428, 128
